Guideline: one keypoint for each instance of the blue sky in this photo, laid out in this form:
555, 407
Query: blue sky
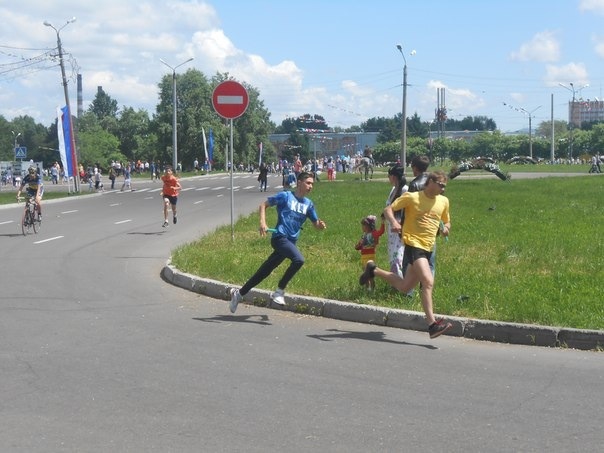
334, 58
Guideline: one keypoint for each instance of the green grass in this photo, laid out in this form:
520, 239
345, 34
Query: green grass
528, 251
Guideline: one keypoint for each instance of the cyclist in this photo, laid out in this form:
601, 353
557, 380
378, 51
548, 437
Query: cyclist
35, 188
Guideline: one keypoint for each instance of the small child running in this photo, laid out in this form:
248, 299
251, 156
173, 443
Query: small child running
368, 243
169, 194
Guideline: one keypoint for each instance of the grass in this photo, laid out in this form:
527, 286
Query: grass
525, 250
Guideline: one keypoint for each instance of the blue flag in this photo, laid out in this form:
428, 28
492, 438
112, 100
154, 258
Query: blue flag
211, 147
66, 148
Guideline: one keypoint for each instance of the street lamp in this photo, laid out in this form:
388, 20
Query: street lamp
530, 117
404, 112
16, 136
174, 139
74, 154
571, 110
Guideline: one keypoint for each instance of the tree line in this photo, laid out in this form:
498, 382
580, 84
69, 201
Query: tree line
105, 132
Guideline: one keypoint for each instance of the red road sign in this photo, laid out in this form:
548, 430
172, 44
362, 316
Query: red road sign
230, 99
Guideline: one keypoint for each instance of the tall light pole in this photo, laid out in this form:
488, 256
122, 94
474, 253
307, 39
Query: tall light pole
530, 117
74, 153
16, 136
573, 90
404, 112
174, 139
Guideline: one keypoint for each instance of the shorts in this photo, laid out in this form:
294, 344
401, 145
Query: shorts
365, 258
411, 254
32, 193
171, 198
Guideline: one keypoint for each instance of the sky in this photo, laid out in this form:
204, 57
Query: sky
507, 60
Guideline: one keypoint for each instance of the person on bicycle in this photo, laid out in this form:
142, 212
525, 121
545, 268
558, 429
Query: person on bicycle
35, 188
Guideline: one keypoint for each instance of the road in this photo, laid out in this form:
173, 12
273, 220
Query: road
99, 354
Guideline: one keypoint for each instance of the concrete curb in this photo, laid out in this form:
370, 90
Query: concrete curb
476, 329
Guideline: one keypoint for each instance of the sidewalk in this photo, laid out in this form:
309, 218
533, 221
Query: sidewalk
476, 329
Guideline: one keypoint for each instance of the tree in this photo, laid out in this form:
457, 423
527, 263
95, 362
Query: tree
103, 106
98, 146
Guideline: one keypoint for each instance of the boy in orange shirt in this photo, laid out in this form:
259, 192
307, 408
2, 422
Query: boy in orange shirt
169, 194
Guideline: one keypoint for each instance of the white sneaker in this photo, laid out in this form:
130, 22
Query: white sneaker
236, 297
278, 297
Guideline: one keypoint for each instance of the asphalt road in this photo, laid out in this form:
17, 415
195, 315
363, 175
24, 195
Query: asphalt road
98, 354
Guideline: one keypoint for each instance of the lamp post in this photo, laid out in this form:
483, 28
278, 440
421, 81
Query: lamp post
404, 112
573, 90
174, 139
74, 154
15, 136
530, 117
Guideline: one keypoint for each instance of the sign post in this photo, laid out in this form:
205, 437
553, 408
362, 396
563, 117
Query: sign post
230, 100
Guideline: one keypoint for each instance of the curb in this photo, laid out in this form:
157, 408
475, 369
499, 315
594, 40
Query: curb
475, 329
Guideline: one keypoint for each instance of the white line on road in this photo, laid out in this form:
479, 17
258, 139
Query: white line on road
8, 221
49, 239
123, 221
197, 202
69, 212
114, 204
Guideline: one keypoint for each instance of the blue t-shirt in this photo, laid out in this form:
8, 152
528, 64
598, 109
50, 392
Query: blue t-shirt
292, 212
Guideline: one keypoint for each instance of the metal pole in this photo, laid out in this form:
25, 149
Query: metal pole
174, 114
232, 189
404, 120
404, 112
552, 121
174, 134
74, 151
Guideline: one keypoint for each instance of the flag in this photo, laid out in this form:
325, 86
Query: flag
211, 147
65, 142
205, 146
260, 155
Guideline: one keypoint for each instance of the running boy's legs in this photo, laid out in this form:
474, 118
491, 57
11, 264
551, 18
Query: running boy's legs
417, 272
283, 248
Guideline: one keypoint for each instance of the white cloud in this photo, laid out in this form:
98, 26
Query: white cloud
575, 73
543, 47
596, 6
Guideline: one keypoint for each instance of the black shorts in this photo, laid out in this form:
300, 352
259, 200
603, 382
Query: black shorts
411, 254
173, 200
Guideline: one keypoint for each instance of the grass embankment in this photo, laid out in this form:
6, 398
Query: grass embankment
528, 251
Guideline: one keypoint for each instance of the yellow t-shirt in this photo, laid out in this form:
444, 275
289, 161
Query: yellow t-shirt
422, 218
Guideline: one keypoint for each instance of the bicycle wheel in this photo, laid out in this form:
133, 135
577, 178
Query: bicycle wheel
35, 223
26, 222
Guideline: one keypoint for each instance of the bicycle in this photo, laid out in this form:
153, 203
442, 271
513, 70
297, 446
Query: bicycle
30, 220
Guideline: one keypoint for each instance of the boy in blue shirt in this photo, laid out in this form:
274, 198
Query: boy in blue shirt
293, 208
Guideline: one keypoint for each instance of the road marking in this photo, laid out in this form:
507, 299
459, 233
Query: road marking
155, 190
188, 188
8, 221
123, 221
148, 198
115, 204
49, 239
203, 188
69, 212
218, 188
197, 202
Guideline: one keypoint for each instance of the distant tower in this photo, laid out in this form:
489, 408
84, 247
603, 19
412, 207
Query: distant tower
80, 101
441, 111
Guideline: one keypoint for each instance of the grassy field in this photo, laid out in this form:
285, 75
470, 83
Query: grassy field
524, 250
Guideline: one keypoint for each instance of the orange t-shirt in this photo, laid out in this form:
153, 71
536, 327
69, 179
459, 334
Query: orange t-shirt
170, 185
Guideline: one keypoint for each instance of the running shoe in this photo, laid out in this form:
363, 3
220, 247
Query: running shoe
368, 273
236, 297
278, 297
439, 327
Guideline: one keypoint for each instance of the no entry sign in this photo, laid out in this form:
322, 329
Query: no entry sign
230, 99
